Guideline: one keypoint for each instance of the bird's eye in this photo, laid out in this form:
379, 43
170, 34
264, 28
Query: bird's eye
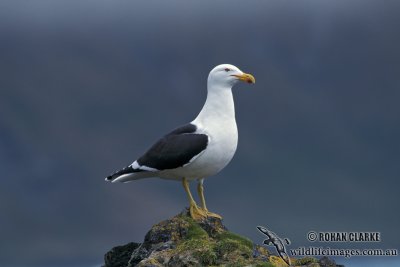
227, 69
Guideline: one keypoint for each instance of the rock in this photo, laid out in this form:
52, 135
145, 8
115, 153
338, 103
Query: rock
327, 262
181, 241
305, 261
119, 256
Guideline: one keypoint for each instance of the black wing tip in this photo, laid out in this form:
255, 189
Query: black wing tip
125, 170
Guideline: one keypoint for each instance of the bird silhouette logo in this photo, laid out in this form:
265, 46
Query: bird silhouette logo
279, 243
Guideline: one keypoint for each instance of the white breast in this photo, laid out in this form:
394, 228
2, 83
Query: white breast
217, 121
223, 139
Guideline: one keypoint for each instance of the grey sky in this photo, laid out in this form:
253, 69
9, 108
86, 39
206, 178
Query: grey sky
87, 86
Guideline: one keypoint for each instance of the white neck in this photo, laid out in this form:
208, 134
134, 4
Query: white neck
219, 105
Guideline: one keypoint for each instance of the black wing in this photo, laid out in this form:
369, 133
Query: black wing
175, 149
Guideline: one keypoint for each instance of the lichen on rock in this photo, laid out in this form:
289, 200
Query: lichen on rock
181, 241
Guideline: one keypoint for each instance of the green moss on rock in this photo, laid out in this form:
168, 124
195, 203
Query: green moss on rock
232, 249
240, 239
194, 230
206, 257
181, 241
305, 261
264, 264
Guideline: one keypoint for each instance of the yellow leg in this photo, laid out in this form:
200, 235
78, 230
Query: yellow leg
195, 211
200, 191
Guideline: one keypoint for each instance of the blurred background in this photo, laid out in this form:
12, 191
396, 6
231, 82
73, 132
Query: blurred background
88, 86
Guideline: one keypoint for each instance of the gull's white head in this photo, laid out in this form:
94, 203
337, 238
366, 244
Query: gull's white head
227, 75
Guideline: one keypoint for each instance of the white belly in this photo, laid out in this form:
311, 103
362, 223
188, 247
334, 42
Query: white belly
222, 144
221, 149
